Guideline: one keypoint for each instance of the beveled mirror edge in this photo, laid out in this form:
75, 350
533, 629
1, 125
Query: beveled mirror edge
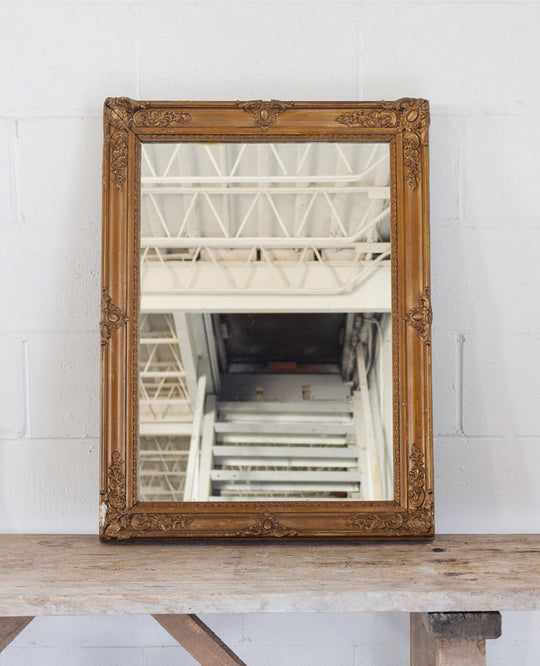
404, 124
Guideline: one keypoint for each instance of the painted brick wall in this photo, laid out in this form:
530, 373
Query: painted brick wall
476, 61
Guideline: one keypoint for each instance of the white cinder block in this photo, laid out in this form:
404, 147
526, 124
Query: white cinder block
64, 58
57, 284
501, 391
168, 656
120, 630
458, 55
239, 50
505, 652
110, 656
64, 385
445, 136
8, 194
485, 279
275, 653
487, 485
12, 387
445, 361
502, 170
49, 486
309, 628
60, 171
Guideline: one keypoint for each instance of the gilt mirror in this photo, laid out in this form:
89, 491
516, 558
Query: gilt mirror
266, 320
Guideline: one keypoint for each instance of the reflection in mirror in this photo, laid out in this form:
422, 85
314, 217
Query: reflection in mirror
265, 361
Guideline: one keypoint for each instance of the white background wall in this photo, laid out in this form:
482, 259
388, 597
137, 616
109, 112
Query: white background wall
476, 61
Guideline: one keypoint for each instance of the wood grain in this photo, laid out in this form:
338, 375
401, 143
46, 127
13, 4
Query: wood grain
452, 639
78, 575
10, 628
199, 640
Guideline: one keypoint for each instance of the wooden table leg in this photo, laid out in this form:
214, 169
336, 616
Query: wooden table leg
10, 628
452, 639
199, 640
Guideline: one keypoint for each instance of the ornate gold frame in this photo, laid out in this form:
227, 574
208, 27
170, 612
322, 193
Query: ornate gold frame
404, 125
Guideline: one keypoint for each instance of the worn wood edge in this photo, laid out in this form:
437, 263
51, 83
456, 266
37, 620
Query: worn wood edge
11, 627
427, 650
199, 640
472, 626
134, 603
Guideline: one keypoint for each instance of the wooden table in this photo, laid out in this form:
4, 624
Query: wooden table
454, 586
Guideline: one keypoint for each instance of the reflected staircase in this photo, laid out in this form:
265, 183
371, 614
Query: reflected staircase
277, 450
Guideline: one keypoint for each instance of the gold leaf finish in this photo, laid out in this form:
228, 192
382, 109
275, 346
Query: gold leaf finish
112, 317
403, 125
265, 114
116, 478
161, 118
267, 524
367, 118
421, 316
420, 517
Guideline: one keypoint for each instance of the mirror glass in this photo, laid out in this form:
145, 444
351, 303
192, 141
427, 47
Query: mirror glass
265, 356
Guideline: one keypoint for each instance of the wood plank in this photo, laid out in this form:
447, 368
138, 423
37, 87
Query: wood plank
10, 628
199, 640
78, 575
469, 626
452, 639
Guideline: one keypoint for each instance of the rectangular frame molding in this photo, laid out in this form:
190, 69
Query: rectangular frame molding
403, 124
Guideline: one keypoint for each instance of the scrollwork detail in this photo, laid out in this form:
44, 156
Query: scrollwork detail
264, 113
418, 520
116, 482
421, 316
411, 159
112, 317
161, 118
267, 524
368, 118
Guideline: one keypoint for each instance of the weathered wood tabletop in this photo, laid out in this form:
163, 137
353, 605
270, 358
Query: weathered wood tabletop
78, 575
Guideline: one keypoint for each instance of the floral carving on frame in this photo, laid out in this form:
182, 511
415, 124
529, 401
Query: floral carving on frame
419, 519
421, 316
367, 118
112, 317
267, 524
265, 114
161, 118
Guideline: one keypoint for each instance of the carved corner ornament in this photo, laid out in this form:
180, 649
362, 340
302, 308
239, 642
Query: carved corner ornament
118, 113
117, 516
112, 317
420, 518
421, 316
267, 524
414, 120
265, 114
122, 114
409, 115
